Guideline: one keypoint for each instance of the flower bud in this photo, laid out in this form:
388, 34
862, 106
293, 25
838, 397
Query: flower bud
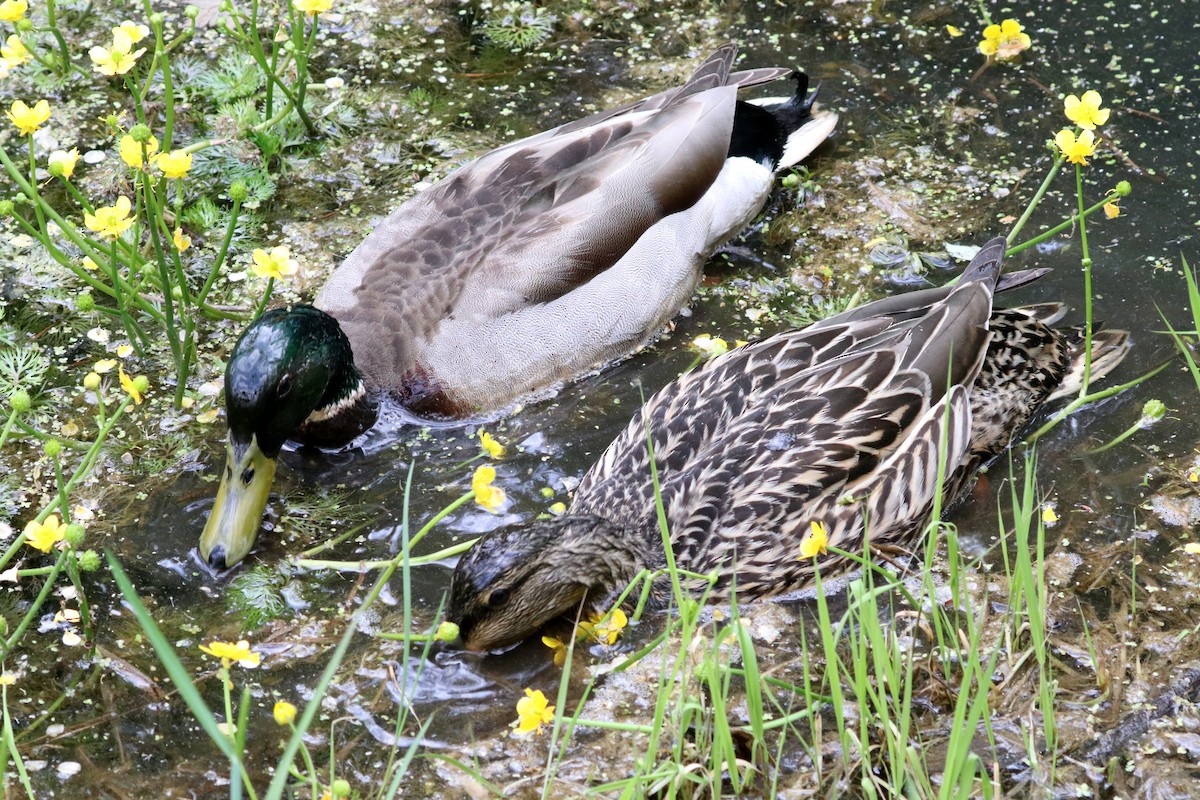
790, 180
238, 192
74, 535
141, 383
6, 208
113, 122
156, 19
55, 168
1123, 188
176, 292
20, 401
86, 302
340, 788
446, 632
24, 25
52, 447
191, 12
89, 561
140, 133
1154, 410
91, 381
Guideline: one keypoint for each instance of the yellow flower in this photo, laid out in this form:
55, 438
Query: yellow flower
313, 7
490, 445
7, 679
489, 496
89, 264
112, 221
131, 150
116, 60
27, 119
559, 647
1192, 548
134, 31
44, 535
13, 52
606, 632
953, 31
13, 10
174, 164
1004, 41
1086, 111
1049, 515
710, 346
284, 712
815, 541
130, 386
66, 159
1112, 210
124, 350
1193, 475
533, 711
182, 241
229, 652
276, 264
1077, 151
104, 365
557, 508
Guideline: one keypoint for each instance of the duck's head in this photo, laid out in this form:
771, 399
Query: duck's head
514, 581
291, 376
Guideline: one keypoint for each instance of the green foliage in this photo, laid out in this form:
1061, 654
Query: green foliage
235, 76
518, 26
22, 367
256, 595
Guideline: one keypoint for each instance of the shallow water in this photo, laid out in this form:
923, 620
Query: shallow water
901, 84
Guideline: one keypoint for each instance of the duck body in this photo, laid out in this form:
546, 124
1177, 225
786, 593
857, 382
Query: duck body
538, 262
841, 423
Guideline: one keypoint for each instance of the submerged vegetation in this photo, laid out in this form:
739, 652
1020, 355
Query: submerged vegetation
168, 174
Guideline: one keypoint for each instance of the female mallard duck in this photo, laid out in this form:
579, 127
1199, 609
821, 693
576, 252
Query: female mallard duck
838, 423
535, 263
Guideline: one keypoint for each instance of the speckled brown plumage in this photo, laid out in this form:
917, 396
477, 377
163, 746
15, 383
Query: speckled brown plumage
839, 423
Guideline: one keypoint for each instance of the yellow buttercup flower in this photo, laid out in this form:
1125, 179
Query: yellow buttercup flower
1076, 150
533, 712
313, 7
490, 446
134, 31
710, 346
13, 52
44, 535
182, 241
606, 632
815, 541
65, 159
490, 497
559, 647
1049, 515
1086, 111
1004, 41
13, 10
7, 679
112, 221
276, 264
104, 365
229, 652
284, 713
1112, 210
89, 264
27, 119
174, 164
953, 31
131, 150
130, 386
118, 59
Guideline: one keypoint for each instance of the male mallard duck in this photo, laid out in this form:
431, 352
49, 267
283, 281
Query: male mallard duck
755, 446
536, 263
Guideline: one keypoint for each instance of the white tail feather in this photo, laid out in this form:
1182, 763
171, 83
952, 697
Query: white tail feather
806, 138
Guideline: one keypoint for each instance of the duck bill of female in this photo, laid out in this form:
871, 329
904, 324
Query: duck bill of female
245, 485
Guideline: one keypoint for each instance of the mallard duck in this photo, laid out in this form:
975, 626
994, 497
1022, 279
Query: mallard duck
535, 263
837, 423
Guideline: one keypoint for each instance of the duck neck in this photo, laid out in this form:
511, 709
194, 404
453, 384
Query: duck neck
345, 411
605, 556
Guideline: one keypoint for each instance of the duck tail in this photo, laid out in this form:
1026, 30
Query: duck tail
985, 266
780, 132
1109, 348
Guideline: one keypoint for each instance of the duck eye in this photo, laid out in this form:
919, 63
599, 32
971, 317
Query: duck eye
497, 598
285, 385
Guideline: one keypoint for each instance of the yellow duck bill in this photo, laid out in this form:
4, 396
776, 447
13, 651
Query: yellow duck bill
237, 514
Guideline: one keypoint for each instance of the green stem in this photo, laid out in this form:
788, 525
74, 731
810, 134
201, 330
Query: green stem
63, 51
1059, 228
1087, 286
219, 261
1079, 402
1037, 198
37, 207
262, 306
